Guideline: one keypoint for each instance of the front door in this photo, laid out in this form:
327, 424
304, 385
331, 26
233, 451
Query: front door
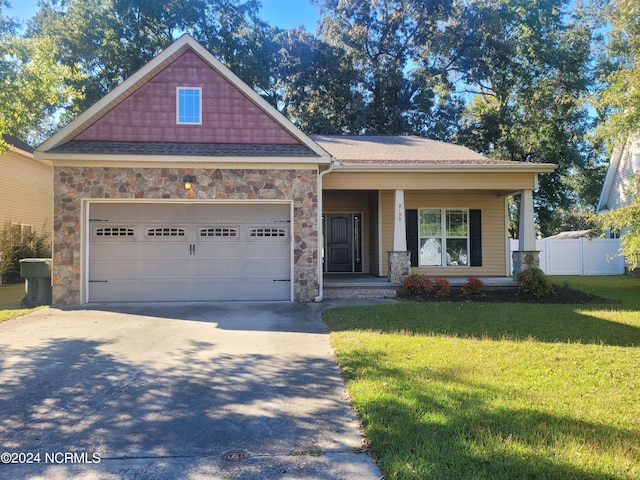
343, 233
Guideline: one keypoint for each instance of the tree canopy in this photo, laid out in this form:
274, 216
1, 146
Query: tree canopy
33, 85
619, 99
512, 79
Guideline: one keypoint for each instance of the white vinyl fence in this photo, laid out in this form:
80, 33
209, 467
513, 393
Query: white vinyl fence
577, 256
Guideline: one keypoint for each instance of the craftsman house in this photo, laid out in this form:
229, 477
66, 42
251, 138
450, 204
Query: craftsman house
183, 184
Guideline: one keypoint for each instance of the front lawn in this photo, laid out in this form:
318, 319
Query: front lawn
498, 391
10, 297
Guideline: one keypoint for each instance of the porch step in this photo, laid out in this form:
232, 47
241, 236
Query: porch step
350, 291
346, 287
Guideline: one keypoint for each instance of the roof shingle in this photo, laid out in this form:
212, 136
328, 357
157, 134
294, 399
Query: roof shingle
188, 149
353, 150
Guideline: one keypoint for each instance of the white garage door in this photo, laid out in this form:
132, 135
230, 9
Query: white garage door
189, 252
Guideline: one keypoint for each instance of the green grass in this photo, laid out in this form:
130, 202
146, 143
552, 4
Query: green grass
498, 391
10, 297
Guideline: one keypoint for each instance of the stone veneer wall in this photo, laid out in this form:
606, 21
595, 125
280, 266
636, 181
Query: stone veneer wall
73, 184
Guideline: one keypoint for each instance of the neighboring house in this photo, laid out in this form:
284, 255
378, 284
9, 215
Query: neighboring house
572, 235
26, 186
624, 164
184, 184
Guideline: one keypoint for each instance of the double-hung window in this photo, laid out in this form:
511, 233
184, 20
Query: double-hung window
189, 105
444, 237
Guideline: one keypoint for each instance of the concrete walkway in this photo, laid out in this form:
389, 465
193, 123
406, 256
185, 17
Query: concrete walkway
192, 391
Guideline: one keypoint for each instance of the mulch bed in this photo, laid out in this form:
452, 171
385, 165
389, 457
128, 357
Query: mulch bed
562, 295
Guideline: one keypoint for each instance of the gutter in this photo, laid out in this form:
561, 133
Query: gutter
320, 296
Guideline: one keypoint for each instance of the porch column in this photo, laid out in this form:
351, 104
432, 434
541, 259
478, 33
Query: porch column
527, 256
399, 258
399, 223
527, 232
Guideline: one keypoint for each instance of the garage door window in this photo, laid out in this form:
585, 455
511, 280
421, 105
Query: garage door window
102, 232
166, 232
219, 232
267, 232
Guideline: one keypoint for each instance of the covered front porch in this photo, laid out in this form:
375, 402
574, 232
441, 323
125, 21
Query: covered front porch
393, 206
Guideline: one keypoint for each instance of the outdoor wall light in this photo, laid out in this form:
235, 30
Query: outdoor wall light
188, 181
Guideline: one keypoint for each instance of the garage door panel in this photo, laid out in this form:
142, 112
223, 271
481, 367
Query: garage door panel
102, 271
125, 290
150, 269
266, 258
116, 252
202, 252
227, 269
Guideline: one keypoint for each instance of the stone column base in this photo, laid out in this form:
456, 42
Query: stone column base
523, 260
399, 266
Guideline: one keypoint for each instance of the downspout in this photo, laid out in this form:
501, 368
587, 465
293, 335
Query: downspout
321, 234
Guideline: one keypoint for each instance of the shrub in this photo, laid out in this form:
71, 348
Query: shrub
16, 245
417, 285
442, 287
533, 281
472, 286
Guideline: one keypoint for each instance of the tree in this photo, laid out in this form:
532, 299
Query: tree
314, 85
525, 67
382, 42
16, 245
619, 98
33, 86
111, 39
573, 218
627, 220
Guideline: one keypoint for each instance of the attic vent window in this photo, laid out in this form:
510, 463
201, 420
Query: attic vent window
189, 105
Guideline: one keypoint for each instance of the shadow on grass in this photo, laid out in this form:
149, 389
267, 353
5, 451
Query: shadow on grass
448, 428
545, 323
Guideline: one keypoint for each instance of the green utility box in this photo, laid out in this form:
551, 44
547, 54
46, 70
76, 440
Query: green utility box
37, 285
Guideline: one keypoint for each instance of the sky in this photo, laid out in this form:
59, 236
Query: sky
279, 13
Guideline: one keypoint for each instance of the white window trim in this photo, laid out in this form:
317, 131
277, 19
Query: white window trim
443, 237
178, 89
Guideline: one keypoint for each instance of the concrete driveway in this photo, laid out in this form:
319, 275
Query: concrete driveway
193, 391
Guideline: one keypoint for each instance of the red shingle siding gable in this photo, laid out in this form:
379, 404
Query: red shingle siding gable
149, 114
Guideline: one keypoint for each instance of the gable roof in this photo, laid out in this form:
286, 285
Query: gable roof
590, 234
386, 153
612, 171
17, 143
81, 139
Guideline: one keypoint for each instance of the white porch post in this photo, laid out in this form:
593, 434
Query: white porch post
527, 256
527, 232
399, 223
399, 258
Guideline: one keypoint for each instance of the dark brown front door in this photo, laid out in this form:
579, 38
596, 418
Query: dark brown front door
343, 247
339, 243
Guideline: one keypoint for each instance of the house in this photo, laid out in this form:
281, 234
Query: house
183, 184
26, 187
623, 165
573, 234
